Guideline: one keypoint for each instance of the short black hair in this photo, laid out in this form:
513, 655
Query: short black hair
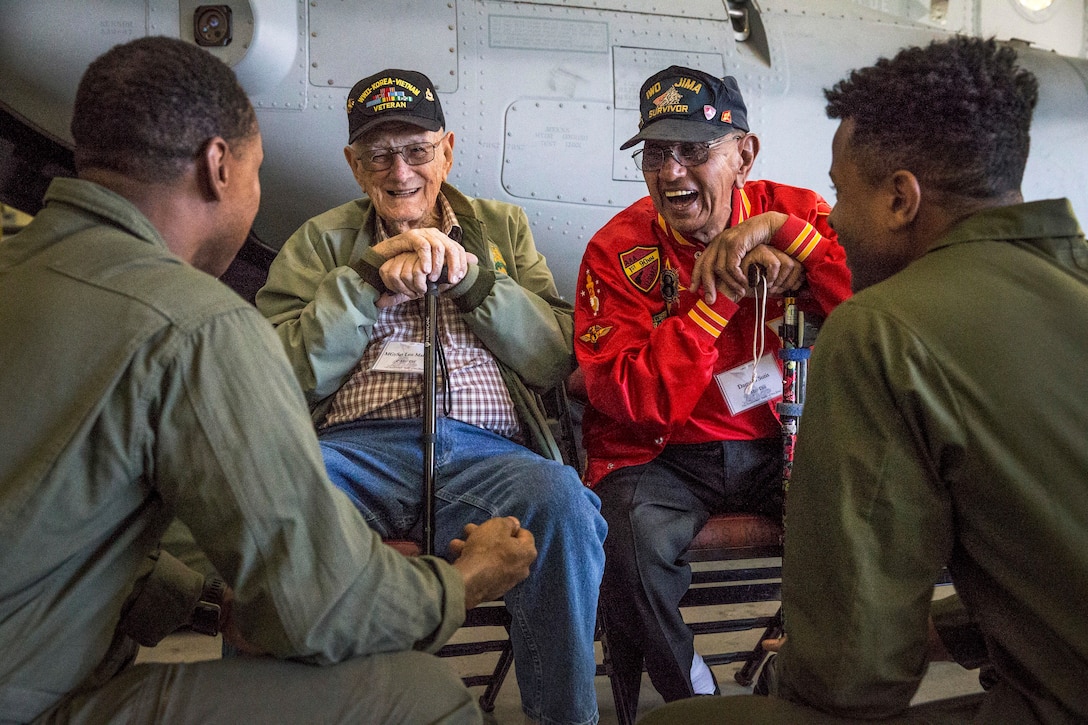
148, 107
956, 114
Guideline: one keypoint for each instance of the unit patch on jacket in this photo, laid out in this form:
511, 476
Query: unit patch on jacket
670, 287
496, 258
642, 266
595, 333
591, 291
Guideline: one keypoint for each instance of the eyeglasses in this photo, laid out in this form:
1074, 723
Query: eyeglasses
687, 153
414, 154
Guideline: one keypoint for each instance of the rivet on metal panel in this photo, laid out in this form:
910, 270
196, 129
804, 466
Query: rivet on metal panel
331, 81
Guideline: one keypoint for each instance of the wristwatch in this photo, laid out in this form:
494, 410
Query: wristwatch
209, 609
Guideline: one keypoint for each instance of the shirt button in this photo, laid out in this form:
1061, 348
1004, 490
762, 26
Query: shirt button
611, 466
659, 441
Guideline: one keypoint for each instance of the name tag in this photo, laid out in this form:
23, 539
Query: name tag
734, 385
405, 357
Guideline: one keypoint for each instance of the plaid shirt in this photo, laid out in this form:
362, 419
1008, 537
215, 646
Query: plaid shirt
476, 389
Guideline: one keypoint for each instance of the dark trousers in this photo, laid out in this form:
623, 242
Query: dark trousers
653, 511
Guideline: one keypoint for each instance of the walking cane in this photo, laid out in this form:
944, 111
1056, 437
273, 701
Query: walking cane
430, 414
794, 356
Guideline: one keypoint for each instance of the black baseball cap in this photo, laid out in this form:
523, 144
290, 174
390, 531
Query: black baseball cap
684, 104
393, 95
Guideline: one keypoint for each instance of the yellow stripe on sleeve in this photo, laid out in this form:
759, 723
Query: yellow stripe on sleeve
707, 318
816, 239
800, 239
709, 312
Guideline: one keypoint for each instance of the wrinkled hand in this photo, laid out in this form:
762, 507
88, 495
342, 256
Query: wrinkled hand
784, 273
417, 255
719, 266
406, 277
773, 645
492, 558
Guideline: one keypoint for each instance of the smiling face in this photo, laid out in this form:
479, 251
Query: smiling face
403, 195
872, 218
697, 200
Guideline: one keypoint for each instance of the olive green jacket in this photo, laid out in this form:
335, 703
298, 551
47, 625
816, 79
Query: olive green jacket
136, 388
323, 286
945, 425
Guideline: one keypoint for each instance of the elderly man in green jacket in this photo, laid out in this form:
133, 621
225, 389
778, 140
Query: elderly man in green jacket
346, 296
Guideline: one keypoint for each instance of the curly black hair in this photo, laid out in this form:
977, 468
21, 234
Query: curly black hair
148, 107
956, 114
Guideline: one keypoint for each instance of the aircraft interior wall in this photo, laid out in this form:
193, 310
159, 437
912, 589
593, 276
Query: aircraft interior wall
539, 94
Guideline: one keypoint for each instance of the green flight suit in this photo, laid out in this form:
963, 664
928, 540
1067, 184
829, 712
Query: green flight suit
136, 388
945, 426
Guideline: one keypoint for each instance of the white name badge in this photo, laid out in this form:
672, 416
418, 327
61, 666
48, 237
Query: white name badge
400, 357
734, 385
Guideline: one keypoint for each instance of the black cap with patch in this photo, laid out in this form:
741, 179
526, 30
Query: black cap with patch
684, 104
393, 95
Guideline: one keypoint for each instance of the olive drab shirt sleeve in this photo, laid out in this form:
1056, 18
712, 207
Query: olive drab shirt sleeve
311, 580
858, 624
184, 407
944, 427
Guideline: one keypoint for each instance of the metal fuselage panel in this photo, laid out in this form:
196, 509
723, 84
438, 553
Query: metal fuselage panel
539, 95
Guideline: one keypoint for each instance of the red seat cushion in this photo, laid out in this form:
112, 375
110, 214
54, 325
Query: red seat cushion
748, 534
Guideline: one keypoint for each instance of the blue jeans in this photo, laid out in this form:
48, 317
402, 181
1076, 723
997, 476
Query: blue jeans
379, 464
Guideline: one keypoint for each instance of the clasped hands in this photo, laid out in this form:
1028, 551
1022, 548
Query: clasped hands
723, 265
416, 256
492, 557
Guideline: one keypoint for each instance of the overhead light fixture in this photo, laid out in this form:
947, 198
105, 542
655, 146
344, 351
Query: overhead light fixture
1035, 6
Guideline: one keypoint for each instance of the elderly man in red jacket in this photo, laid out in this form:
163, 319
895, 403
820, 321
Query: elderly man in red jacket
668, 341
